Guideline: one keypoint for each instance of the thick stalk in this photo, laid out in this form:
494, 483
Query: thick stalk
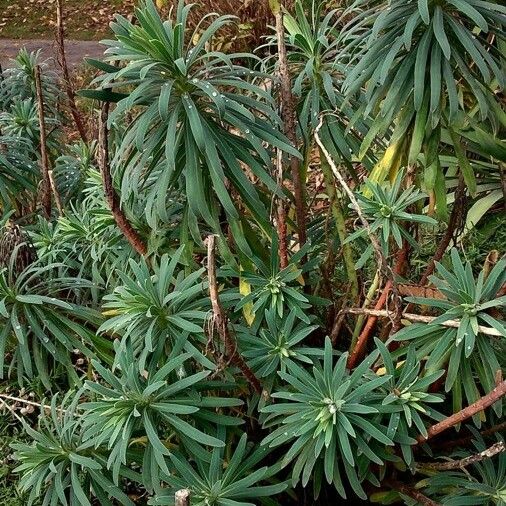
481, 404
111, 196
337, 213
289, 118
281, 215
45, 196
60, 42
220, 320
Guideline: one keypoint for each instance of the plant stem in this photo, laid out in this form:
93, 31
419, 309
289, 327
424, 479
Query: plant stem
481, 404
110, 193
377, 313
413, 493
467, 461
62, 60
57, 198
289, 118
281, 215
359, 349
337, 212
220, 320
45, 197
368, 299
466, 440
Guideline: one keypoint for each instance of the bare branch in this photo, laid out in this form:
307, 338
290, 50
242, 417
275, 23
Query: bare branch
45, 197
110, 193
481, 404
56, 195
289, 118
467, 461
60, 42
420, 319
220, 320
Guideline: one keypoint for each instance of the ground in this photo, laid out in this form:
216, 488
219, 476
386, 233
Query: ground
35, 19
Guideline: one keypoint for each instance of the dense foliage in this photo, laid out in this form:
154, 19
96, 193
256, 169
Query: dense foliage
271, 370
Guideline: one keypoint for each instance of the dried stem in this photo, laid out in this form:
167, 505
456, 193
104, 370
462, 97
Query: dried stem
289, 118
220, 320
45, 196
110, 193
56, 195
377, 313
30, 403
62, 60
481, 404
13, 412
467, 461
339, 218
374, 241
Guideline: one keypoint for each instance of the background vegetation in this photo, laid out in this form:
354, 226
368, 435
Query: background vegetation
257, 260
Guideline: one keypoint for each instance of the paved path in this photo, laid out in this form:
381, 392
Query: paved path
75, 50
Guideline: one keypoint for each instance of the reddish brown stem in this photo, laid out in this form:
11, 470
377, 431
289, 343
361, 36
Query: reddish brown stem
289, 120
281, 218
60, 42
481, 404
45, 195
111, 196
220, 320
363, 339
413, 493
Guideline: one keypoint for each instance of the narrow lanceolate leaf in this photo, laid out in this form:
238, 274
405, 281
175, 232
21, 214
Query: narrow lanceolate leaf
439, 32
423, 9
464, 164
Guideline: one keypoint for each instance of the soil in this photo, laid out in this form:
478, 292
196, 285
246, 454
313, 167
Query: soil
75, 50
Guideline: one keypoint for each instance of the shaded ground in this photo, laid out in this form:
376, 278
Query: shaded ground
35, 19
75, 50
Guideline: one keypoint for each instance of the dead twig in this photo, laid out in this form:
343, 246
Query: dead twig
220, 320
30, 403
57, 197
467, 461
379, 313
110, 193
11, 409
481, 404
